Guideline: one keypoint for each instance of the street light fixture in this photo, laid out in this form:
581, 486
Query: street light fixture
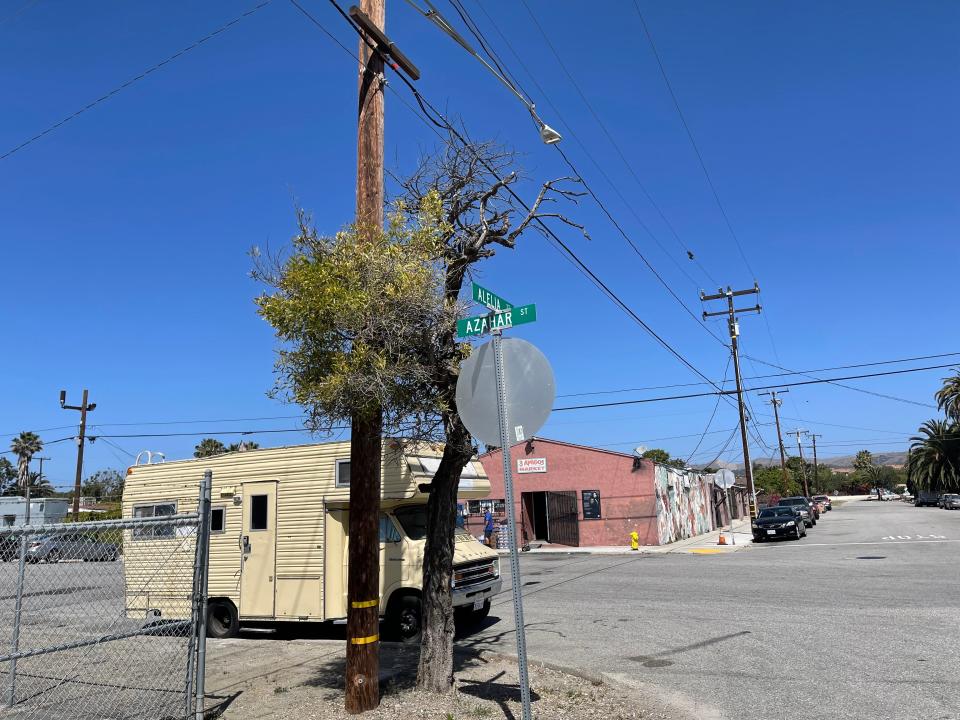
547, 134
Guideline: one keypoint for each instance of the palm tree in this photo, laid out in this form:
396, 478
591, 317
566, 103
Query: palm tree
935, 456
25, 446
40, 486
208, 447
948, 397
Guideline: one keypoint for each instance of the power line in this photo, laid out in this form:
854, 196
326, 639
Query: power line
693, 143
603, 126
772, 375
133, 80
856, 389
599, 167
753, 389
716, 406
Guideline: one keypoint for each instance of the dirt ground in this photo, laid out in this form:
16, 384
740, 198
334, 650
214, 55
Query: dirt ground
252, 679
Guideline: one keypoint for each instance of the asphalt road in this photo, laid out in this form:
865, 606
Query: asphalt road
857, 620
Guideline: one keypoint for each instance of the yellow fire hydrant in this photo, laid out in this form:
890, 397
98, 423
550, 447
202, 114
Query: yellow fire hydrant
634, 540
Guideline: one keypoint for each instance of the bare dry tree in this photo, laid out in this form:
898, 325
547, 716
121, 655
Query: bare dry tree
474, 181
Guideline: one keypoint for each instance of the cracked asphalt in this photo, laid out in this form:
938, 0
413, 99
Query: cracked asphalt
857, 620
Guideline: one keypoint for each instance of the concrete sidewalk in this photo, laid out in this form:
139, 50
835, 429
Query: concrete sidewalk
706, 544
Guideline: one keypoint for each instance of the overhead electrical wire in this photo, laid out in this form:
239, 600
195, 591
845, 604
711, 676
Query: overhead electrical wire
753, 389
438, 119
855, 389
133, 80
693, 143
716, 406
603, 127
598, 166
806, 373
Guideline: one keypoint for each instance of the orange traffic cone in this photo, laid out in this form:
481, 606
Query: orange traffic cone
721, 540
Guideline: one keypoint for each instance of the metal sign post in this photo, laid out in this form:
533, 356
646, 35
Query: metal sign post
500, 418
511, 524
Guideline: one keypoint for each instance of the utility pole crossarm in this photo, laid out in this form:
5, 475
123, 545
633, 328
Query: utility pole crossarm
731, 313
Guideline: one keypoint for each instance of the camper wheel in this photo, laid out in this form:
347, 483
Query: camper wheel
222, 618
405, 618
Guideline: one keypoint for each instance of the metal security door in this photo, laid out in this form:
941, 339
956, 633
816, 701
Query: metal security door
258, 544
563, 526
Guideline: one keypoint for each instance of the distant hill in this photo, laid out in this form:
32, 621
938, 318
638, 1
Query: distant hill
897, 459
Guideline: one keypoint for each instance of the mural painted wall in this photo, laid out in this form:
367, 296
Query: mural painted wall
683, 504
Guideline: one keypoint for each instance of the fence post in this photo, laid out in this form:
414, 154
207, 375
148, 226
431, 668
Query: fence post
203, 538
18, 607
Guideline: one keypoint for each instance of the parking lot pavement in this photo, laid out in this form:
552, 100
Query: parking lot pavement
857, 620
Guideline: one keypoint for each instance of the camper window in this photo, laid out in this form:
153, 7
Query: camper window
413, 519
217, 520
388, 531
258, 512
343, 473
148, 511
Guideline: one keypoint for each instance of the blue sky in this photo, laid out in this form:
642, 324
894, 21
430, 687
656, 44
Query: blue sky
829, 131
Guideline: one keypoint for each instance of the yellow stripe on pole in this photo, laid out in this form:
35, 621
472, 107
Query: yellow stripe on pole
365, 603
364, 640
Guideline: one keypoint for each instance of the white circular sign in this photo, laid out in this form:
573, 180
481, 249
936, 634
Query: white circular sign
530, 391
724, 479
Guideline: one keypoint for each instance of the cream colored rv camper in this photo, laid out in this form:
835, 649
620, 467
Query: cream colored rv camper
278, 544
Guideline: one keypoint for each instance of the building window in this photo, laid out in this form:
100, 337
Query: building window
258, 512
591, 504
479, 507
149, 511
343, 473
388, 531
217, 520
9, 520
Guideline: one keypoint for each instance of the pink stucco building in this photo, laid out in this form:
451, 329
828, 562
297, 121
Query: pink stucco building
582, 496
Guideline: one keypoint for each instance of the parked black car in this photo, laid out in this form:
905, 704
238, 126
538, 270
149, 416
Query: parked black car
780, 521
803, 506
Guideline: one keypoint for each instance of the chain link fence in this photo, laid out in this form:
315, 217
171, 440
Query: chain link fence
103, 619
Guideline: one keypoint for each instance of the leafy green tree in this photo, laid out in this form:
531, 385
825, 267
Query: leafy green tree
242, 446
657, 455
374, 325
25, 446
208, 447
103, 484
863, 462
8, 477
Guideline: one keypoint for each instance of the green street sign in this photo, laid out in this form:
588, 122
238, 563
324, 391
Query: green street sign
482, 324
485, 297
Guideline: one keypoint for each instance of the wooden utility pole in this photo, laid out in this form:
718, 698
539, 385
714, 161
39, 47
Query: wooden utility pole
803, 465
84, 408
734, 328
362, 691
816, 469
776, 402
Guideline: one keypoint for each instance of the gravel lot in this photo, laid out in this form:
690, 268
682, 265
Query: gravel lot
305, 680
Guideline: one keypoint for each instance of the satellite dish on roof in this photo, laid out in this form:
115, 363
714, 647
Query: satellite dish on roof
639, 450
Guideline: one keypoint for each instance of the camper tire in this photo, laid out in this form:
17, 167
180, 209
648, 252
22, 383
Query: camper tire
481, 614
405, 618
222, 619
